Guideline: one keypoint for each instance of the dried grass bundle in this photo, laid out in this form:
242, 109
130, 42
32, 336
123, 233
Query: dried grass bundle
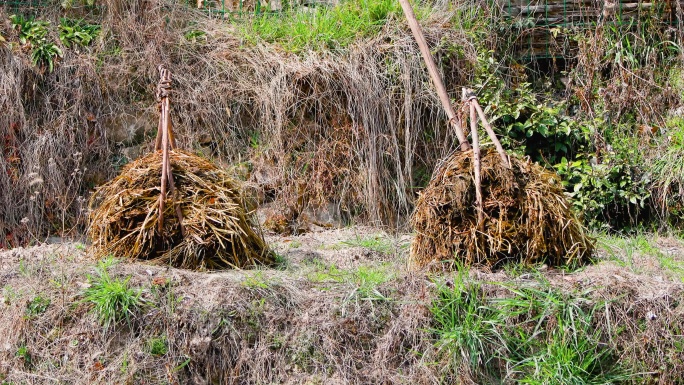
218, 231
526, 216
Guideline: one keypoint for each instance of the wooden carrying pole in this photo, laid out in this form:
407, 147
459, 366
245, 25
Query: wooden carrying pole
469, 98
434, 73
164, 142
491, 133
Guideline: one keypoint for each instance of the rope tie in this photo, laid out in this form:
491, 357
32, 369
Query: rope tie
164, 85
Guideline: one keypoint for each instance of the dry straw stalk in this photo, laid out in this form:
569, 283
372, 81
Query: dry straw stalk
219, 231
526, 216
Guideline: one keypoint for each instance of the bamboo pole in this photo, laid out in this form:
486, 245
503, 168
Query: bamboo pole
492, 134
165, 160
476, 165
434, 73
158, 140
166, 142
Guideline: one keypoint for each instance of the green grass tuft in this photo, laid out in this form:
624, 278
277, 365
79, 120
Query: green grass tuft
112, 299
322, 28
377, 243
158, 346
533, 335
368, 279
465, 326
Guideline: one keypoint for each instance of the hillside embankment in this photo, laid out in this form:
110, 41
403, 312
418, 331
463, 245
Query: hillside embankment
341, 308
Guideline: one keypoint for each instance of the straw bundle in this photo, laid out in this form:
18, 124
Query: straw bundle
217, 227
526, 215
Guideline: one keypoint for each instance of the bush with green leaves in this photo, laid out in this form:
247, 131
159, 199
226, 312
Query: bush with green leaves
529, 123
30, 30
37, 305
34, 33
611, 192
602, 166
45, 54
74, 33
112, 299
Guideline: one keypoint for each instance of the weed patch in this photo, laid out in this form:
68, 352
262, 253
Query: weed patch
112, 299
38, 305
158, 346
535, 334
368, 279
377, 243
322, 28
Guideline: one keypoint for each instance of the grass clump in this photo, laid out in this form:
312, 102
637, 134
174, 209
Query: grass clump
553, 339
368, 279
668, 175
322, 28
467, 330
256, 281
376, 243
112, 299
158, 346
326, 273
534, 334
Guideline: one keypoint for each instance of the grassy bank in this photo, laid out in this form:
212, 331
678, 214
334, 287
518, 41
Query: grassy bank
341, 308
329, 110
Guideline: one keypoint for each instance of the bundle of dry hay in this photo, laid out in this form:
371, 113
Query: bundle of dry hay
218, 231
526, 216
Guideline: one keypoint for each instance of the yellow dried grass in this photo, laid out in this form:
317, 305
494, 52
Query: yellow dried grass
219, 230
526, 216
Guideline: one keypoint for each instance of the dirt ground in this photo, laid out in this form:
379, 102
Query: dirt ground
340, 308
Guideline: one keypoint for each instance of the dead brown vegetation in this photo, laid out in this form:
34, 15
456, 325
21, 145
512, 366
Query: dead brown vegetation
526, 216
217, 230
305, 121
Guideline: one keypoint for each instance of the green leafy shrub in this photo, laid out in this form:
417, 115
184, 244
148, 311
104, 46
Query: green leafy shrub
30, 30
112, 299
38, 305
44, 53
77, 33
608, 186
530, 124
612, 192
